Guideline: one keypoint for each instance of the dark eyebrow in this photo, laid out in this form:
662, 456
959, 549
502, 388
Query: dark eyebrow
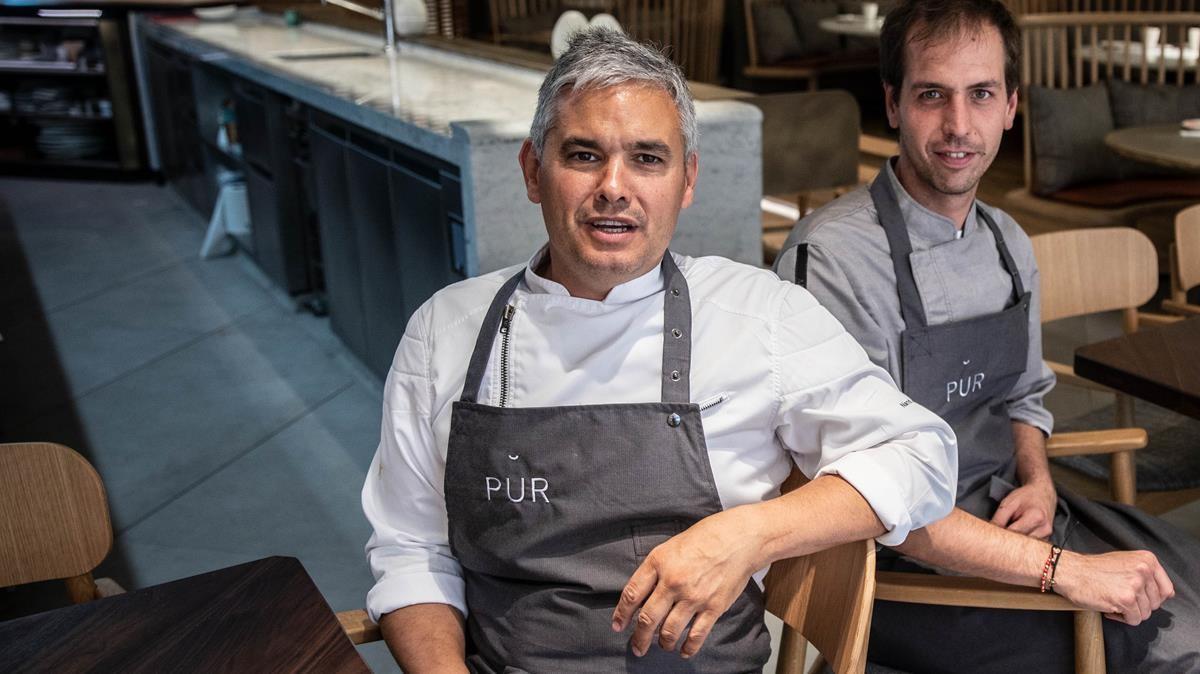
651, 146
577, 141
988, 84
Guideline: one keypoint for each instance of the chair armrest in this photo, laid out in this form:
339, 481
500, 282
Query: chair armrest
1156, 320
878, 146
1108, 441
921, 588
1066, 375
1181, 307
107, 587
359, 627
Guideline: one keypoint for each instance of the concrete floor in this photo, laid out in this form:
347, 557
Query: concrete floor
227, 426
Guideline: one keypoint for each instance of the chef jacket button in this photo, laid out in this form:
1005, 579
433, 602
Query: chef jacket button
676, 333
673, 421
674, 375
675, 292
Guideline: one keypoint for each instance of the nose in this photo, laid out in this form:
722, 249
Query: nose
613, 188
956, 118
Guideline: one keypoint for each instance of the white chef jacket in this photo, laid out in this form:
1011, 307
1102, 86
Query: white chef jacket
781, 379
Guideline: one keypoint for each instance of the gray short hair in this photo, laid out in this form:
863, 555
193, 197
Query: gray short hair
598, 58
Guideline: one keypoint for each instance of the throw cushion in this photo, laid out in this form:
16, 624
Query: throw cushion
1068, 128
1142, 104
776, 34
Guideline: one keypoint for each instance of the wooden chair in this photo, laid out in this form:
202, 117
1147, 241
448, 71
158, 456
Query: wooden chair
1072, 49
808, 68
916, 588
53, 520
1088, 271
1185, 262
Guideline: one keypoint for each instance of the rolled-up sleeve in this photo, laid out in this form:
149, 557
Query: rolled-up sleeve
409, 550
839, 414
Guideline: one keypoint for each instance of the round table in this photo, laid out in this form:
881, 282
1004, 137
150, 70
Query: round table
1160, 144
858, 27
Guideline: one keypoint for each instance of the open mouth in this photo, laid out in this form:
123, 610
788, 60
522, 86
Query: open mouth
612, 226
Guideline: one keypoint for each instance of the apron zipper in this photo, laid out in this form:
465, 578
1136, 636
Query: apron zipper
505, 325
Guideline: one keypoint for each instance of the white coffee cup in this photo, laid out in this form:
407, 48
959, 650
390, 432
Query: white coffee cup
1150, 36
870, 11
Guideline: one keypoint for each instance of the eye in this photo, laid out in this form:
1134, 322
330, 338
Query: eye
930, 95
583, 155
981, 94
648, 159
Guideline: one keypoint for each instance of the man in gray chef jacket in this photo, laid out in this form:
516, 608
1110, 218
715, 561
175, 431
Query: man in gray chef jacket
942, 291
580, 455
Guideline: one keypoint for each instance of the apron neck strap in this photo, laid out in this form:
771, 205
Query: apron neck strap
677, 335
1006, 258
888, 208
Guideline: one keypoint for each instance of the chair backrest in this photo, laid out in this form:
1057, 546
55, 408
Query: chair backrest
827, 597
1187, 248
689, 29
809, 140
1071, 49
53, 514
1084, 271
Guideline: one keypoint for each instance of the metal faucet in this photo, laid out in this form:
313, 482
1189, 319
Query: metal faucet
386, 16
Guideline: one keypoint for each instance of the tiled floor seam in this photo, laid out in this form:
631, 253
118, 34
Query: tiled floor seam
234, 459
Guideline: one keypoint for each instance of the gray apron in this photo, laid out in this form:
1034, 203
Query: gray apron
552, 509
963, 371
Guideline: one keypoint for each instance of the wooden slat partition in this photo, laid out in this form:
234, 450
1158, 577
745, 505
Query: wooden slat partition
1066, 50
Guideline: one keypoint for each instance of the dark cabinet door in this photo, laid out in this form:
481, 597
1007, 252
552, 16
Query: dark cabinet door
339, 248
367, 170
261, 193
423, 237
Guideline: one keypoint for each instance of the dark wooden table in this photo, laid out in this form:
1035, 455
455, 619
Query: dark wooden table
1160, 365
264, 616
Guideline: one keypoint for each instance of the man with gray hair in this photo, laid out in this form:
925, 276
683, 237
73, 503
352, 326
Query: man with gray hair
580, 454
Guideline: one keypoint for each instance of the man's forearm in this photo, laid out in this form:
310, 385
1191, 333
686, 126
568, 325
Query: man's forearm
426, 638
966, 544
821, 514
1030, 449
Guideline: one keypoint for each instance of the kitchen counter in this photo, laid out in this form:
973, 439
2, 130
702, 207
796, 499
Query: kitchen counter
474, 114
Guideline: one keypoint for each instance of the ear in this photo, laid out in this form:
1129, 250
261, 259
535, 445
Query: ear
530, 166
690, 170
890, 105
1010, 110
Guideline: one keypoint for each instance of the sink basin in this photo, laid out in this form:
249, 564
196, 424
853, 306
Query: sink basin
325, 53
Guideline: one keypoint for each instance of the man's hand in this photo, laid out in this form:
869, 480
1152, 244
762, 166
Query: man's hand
1029, 509
1125, 586
692, 578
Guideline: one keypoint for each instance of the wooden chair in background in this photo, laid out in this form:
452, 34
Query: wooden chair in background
1185, 262
53, 520
806, 69
1023, 7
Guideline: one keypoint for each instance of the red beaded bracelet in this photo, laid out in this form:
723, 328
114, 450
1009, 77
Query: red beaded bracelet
1050, 567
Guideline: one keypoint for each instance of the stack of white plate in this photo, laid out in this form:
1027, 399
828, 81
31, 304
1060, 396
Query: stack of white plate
70, 140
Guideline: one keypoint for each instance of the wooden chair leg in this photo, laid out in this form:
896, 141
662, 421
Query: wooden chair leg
1124, 406
1089, 643
1124, 478
792, 649
81, 589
